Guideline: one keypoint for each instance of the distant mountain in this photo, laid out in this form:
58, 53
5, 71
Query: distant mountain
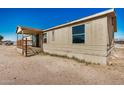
119, 41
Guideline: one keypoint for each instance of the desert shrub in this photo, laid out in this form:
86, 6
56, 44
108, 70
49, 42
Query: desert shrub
1, 37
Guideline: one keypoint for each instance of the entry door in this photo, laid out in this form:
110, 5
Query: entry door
37, 41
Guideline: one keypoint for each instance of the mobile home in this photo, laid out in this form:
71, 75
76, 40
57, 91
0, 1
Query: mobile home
90, 39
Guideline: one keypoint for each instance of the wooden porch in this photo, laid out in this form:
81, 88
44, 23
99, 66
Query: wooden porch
25, 44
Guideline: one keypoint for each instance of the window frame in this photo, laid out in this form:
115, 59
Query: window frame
45, 37
81, 34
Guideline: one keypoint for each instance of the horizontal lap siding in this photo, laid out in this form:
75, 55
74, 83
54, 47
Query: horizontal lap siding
95, 39
96, 50
62, 36
110, 40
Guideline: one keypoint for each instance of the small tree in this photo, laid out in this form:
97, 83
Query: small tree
1, 37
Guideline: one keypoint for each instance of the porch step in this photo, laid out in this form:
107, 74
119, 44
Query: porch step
31, 51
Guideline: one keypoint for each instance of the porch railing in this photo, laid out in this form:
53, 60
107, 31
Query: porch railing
24, 44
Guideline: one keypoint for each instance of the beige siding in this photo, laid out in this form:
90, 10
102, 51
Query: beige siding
95, 45
110, 39
62, 36
95, 33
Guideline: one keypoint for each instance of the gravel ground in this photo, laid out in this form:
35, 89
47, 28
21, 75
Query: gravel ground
45, 69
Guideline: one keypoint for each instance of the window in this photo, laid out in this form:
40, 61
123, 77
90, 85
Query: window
53, 37
78, 34
45, 38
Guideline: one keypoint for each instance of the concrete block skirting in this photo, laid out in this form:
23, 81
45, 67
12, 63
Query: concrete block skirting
83, 57
19, 50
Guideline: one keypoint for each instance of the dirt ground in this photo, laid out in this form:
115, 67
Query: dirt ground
45, 69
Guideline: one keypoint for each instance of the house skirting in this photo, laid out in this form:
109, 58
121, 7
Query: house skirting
84, 57
19, 50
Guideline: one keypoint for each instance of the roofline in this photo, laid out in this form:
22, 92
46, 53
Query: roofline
104, 13
27, 28
100, 14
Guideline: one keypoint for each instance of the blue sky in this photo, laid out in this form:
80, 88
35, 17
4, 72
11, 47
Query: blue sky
44, 18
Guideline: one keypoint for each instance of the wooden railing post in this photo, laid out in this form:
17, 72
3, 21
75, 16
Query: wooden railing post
22, 44
26, 47
41, 42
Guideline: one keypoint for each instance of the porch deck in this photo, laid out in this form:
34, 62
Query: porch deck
25, 48
31, 41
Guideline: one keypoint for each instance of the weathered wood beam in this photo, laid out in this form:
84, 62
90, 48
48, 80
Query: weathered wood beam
41, 42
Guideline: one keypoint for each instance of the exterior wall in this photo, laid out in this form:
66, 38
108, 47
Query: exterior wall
94, 49
110, 32
36, 40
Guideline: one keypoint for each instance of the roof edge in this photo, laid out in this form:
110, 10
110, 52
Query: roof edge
20, 28
83, 19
